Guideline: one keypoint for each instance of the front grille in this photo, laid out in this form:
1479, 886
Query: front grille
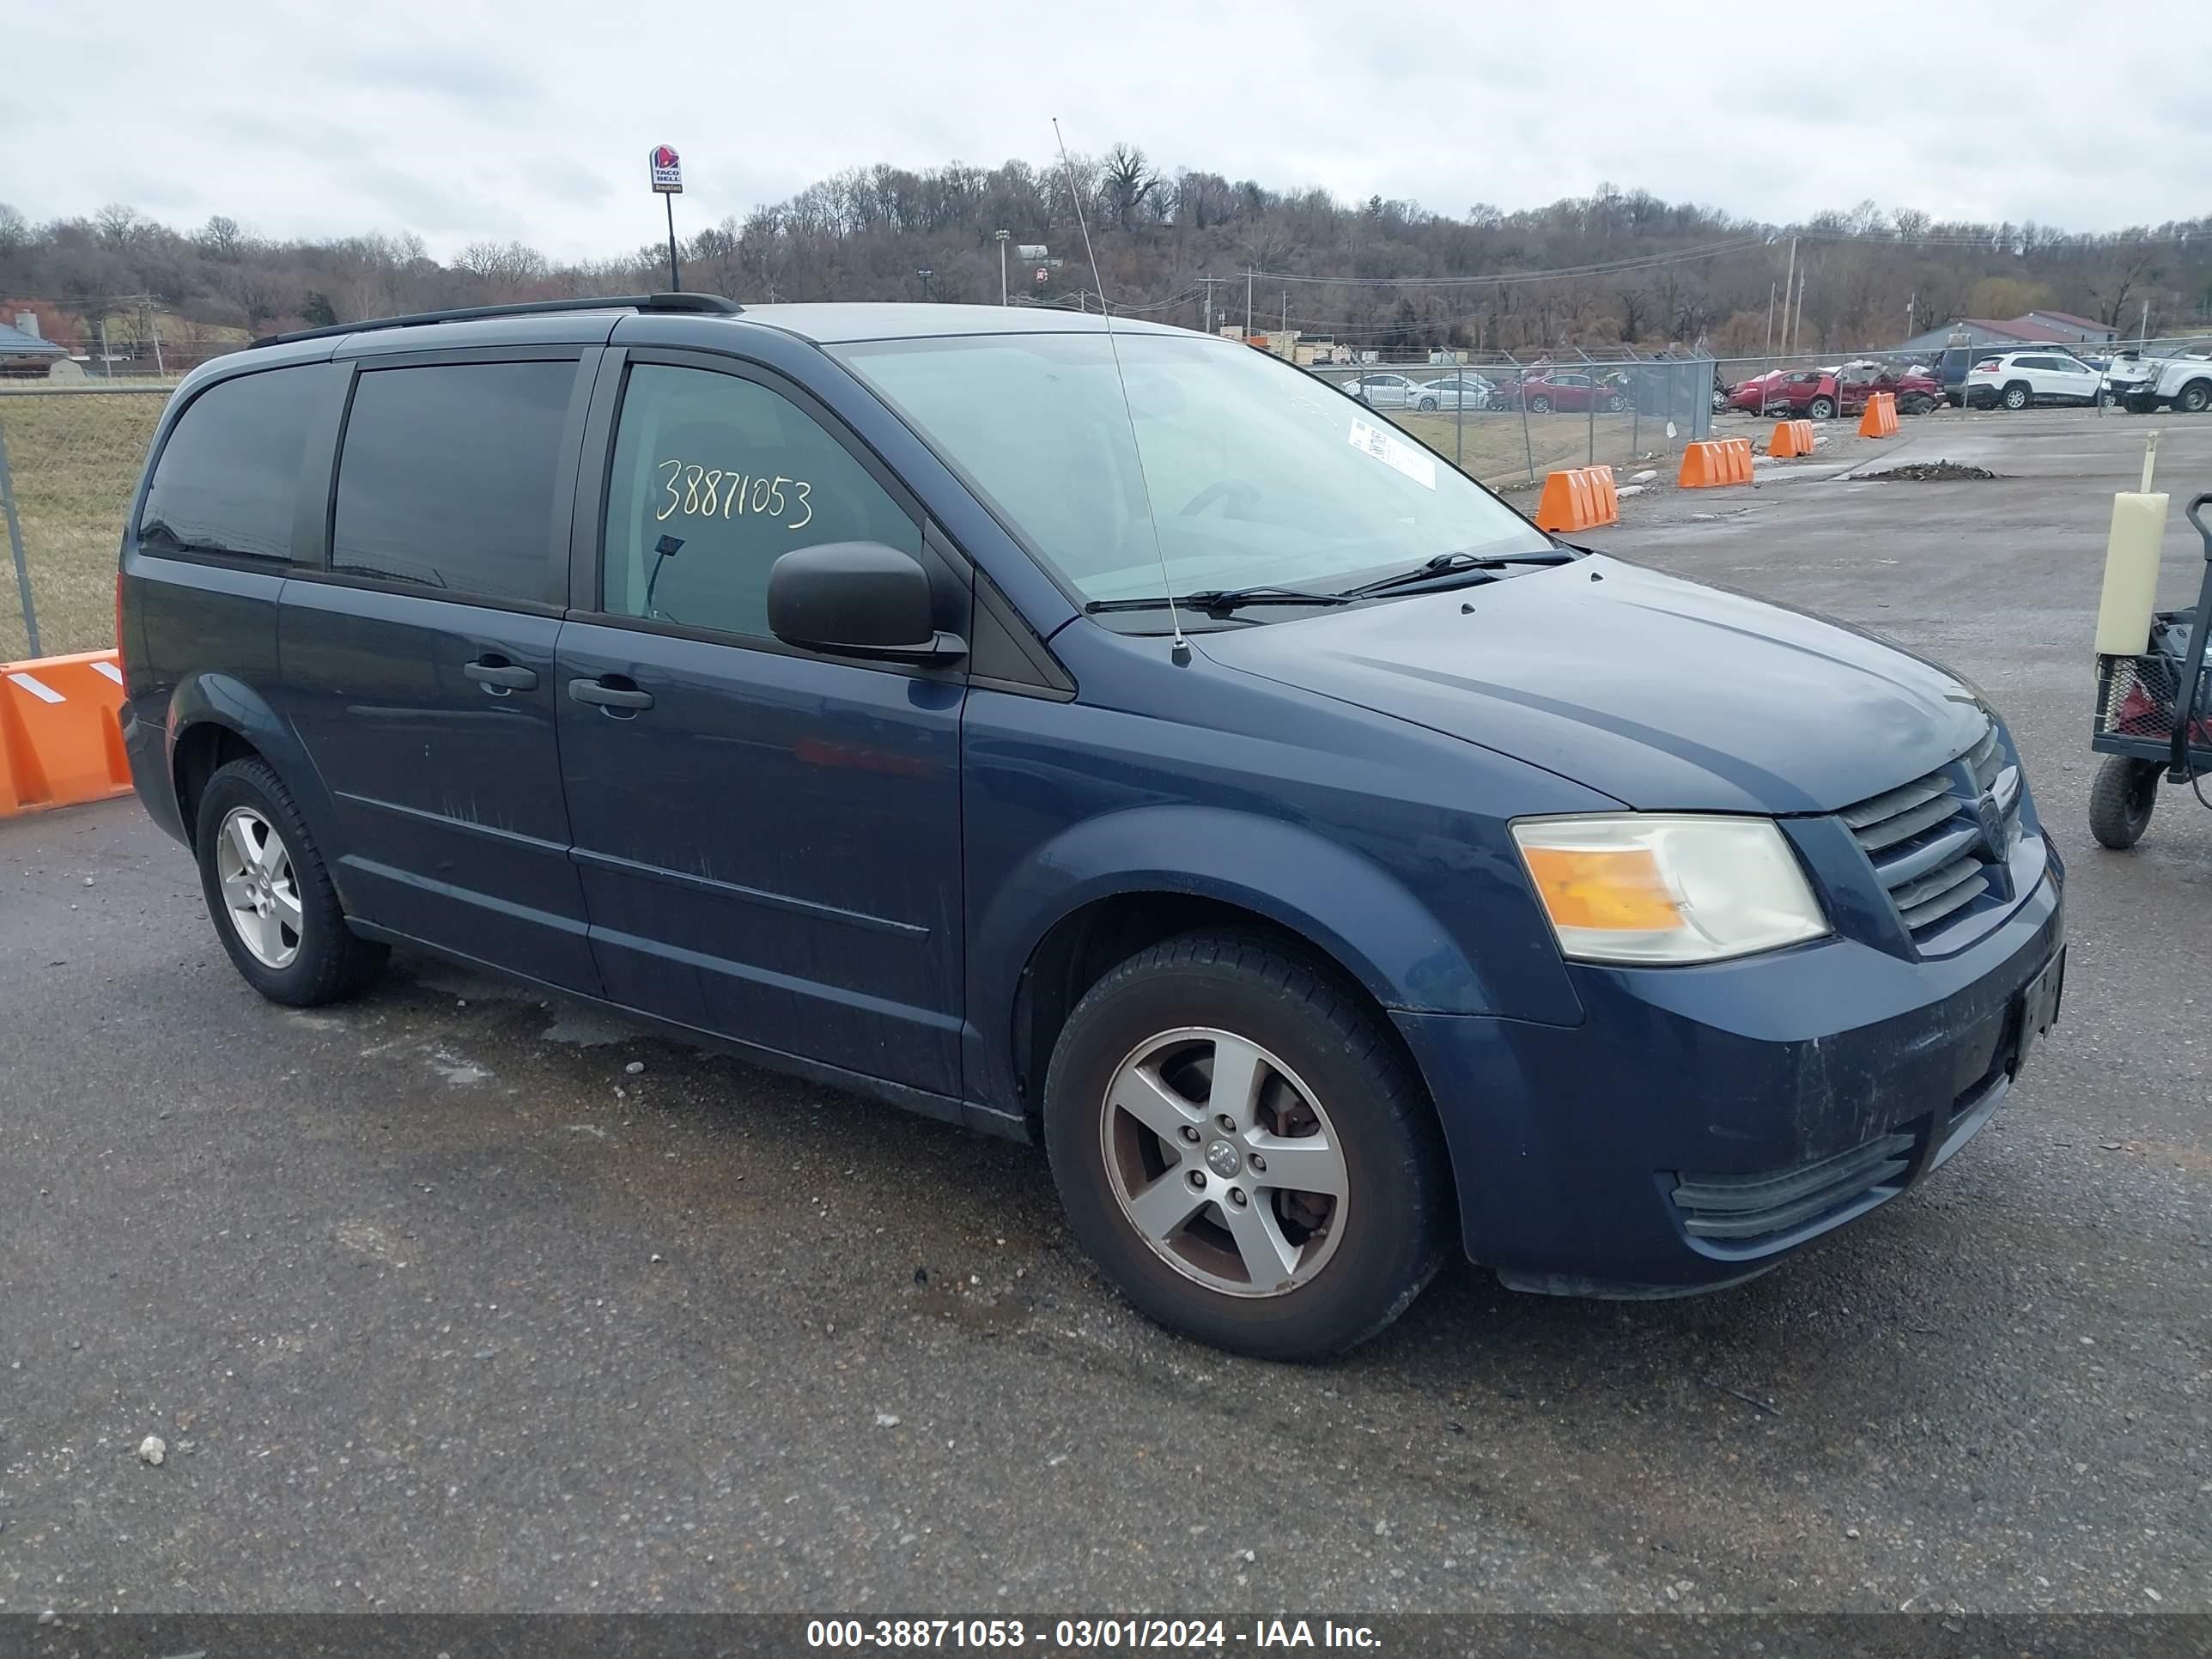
1736, 1208
1930, 847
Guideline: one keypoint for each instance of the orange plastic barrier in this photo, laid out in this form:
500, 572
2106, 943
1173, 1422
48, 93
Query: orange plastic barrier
61, 739
1715, 462
1579, 498
1880, 420
1790, 438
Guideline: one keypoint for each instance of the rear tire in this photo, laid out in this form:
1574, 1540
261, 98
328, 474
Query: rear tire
269, 895
2122, 799
2016, 396
1821, 409
2195, 398
1170, 1203
1428, 405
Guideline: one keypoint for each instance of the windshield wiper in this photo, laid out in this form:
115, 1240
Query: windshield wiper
1220, 601
1462, 565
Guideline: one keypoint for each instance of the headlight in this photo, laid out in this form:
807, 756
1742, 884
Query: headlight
1637, 887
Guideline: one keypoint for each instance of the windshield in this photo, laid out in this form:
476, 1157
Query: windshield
1257, 474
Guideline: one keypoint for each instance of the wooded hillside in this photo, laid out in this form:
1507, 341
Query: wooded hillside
1615, 266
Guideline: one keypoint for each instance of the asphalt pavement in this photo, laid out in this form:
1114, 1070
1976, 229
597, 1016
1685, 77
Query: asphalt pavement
450, 1299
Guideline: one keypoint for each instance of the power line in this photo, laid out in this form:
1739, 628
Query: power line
1603, 267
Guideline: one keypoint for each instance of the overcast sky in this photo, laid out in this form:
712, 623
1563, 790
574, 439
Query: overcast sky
502, 120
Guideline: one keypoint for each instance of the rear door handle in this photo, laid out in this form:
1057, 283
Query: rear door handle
503, 676
610, 696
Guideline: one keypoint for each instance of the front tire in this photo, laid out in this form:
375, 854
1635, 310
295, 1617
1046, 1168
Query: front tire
270, 895
1428, 405
1820, 409
2195, 399
1244, 1152
2122, 799
1615, 403
1539, 405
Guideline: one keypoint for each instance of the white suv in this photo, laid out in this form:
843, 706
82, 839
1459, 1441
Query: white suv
2039, 374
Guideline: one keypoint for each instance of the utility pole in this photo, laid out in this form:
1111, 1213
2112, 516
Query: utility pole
1788, 277
1208, 281
2142, 332
1002, 267
1248, 305
1769, 320
1287, 311
1912, 303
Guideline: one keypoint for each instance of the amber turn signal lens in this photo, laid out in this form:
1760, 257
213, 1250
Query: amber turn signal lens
1615, 889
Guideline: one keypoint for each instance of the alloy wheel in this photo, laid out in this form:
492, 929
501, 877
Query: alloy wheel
260, 891
1223, 1162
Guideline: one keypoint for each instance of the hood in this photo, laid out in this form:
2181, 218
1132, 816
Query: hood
1666, 695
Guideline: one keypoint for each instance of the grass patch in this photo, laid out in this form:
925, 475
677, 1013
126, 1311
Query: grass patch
1491, 446
74, 458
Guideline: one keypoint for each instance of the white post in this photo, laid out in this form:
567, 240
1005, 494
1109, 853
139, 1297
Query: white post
1002, 267
1248, 305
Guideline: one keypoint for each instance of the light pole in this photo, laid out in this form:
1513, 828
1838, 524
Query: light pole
1002, 267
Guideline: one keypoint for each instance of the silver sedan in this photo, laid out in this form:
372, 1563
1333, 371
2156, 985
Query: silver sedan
1453, 392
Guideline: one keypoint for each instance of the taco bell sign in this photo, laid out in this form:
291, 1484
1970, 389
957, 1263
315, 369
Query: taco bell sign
667, 170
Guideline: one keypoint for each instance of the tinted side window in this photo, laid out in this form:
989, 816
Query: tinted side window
228, 479
446, 477
715, 478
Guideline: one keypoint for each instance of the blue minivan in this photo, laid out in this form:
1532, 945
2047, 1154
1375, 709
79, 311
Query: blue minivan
1112, 739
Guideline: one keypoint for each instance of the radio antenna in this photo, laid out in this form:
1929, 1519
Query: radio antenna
1181, 646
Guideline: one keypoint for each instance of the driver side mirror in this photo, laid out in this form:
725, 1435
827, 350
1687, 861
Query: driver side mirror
857, 600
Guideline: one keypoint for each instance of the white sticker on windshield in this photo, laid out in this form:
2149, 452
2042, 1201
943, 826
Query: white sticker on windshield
1395, 451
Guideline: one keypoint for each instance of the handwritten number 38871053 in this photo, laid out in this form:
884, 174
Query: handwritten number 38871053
702, 492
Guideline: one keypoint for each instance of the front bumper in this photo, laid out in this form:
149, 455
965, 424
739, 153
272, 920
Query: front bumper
1800, 1089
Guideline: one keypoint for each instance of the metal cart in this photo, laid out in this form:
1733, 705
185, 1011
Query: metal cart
2154, 713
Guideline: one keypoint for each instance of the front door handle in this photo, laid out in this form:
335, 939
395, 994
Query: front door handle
610, 696
495, 675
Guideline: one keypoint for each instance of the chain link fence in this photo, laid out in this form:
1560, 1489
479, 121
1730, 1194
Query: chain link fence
1509, 422
69, 462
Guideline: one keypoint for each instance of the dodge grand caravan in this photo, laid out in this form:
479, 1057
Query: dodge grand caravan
1119, 742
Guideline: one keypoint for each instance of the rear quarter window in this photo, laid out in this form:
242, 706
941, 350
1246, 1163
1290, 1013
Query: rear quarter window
228, 479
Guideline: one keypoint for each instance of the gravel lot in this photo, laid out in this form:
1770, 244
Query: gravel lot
438, 1301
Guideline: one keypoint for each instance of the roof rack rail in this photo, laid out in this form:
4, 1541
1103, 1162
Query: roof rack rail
715, 304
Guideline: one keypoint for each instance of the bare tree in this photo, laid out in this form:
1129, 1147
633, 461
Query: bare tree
221, 239
2130, 269
120, 224
259, 294
1128, 179
505, 269
15, 234
1635, 313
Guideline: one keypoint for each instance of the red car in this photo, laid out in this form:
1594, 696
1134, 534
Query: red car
1816, 393
1561, 389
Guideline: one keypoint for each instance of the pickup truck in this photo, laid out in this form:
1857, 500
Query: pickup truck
2182, 383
